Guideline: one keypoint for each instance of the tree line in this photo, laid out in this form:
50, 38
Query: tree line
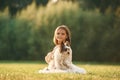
95, 34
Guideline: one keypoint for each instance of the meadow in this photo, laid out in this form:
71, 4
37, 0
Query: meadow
28, 70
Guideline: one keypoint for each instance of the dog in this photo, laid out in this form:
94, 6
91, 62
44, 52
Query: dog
60, 57
63, 56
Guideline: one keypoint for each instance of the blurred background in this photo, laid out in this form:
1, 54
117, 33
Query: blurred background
27, 28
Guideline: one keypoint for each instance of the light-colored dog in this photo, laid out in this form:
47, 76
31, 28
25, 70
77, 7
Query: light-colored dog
60, 60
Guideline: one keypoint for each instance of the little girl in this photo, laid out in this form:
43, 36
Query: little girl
60, 59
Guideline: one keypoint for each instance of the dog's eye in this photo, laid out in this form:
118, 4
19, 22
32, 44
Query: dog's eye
68, 53
65, 49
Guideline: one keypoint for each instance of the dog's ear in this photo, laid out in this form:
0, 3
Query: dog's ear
67, 43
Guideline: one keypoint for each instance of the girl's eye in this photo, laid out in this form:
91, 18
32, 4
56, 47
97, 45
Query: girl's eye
58, 33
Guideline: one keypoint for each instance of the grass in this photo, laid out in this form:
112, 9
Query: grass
27, 70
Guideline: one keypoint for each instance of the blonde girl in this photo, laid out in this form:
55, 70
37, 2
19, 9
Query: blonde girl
61, 36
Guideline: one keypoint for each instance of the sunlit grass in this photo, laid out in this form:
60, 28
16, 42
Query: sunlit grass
29, 71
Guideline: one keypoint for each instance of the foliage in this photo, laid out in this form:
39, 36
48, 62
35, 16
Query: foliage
103, 5
14, 38
28, 35
15, 6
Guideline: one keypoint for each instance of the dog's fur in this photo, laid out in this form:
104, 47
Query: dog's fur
59, 59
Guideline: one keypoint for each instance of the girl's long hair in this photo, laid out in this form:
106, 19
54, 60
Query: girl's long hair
68, 36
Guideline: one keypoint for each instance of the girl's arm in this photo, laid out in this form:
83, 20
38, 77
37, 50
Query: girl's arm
49, 57
57, 58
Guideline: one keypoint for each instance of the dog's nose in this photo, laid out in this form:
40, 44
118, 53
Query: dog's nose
68, 53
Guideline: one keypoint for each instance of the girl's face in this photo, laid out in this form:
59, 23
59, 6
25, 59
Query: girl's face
60, 35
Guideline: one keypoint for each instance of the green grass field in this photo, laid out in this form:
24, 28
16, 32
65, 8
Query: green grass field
26, 70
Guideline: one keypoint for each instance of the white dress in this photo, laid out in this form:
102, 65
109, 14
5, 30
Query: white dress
62, 63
